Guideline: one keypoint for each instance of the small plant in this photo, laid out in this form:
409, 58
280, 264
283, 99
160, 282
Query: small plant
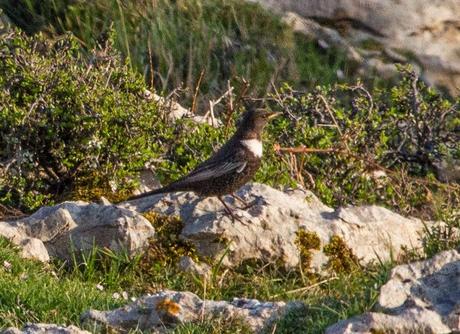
443, 236
166, 246
341, 257
306, 242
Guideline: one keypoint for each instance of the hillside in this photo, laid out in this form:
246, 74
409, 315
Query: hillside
359, 182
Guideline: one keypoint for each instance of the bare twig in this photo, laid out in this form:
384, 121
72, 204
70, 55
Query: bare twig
309, 287
152, 70
303, 149
213, 103
197, 89
370, 162
328, 108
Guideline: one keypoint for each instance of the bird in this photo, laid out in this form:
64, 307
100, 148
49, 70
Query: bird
230, 167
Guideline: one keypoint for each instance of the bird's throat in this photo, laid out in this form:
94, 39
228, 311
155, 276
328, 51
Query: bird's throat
254, 146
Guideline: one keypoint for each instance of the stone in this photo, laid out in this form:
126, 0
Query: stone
166, 309
425, 32
175, 111
44, 329
268, 230
419, 297
33, 248
448, 170
172, 109
147, 182
187, 264
56, 230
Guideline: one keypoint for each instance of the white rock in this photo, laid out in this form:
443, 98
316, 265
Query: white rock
420, 297
167, 309
44, 329
426, 29
268, 228
57, 229
187, 264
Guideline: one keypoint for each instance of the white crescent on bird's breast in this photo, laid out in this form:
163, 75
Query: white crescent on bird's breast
254, 146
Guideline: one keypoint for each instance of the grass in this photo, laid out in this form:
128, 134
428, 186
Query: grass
54, 293
33, 292
174, 42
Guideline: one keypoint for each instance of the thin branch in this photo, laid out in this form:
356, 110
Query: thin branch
197, 89
309, 287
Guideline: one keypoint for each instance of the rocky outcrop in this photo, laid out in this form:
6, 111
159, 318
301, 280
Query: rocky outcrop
57, 230
420, 297
44, 329
167, 309
423, 32
272, 229
269, 229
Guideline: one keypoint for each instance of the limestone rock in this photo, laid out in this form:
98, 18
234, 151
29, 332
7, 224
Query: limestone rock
268, 229
148, 182
427, 31
33, 248
167, 309
175, 111
44, 329
420, 297
53, 231
187, 264
448, 171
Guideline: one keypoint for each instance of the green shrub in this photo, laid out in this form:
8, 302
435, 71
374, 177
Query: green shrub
77, 127
65, 119
371, 147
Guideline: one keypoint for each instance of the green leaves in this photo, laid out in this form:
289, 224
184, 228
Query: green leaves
372, 146
66, 121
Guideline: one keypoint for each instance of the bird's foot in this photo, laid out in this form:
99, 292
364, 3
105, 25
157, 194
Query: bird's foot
230, 212
246, 205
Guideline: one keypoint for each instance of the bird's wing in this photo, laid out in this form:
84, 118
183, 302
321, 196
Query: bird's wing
215, 169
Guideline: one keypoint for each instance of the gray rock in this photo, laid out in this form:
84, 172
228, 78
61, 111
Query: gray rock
167, 309
33, 248
175, 111
426, 30
147, 182
55, 230
420, 297
267, 230
5, 23
44, 329
448, 170
187, 264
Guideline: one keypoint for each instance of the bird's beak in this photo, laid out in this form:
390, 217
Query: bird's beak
273, 115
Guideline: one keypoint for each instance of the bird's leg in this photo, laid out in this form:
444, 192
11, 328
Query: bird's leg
246, 204
229, 211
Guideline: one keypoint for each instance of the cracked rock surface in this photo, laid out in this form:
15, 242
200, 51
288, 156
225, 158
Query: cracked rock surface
56, 230
419, 297
424, 33
268, 230
166, 309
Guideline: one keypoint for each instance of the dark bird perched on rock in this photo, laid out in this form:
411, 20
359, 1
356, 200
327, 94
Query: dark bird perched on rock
234, 164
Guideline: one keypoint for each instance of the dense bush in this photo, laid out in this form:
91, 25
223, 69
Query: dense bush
64, 119
383, 147
173, 42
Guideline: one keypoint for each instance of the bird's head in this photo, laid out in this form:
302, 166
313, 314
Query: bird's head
254, 121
